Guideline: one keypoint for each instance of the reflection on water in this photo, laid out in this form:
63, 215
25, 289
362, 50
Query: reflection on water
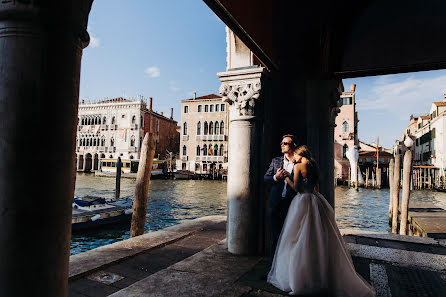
170, 201
369, 208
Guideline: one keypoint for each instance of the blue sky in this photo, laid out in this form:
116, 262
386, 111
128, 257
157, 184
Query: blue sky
169, 49
160, 49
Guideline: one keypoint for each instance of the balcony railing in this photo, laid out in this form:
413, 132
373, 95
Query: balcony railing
102, 148
134, 126
184, 158
210, 158
133, 149
185, 137
104, 127
113, 127
211, 137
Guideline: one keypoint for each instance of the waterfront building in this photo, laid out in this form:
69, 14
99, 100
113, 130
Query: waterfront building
345, 133
430, 144
204, 134
114, 128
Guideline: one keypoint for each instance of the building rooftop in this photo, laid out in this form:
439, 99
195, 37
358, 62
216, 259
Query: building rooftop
425, 117
210, 96
440, 103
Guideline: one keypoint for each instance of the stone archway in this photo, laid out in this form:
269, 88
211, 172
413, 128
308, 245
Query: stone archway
88, 162
95, 162
81, 163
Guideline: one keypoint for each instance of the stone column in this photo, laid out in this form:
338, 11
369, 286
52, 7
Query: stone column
78, 161
242, 89
41, 45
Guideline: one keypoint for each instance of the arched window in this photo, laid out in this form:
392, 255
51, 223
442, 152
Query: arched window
217, 127
133, 119
132, 141
111, 156
185, 128
199, 108
221, 149
131, 157
345, 127
217, 107
104, 120
103, 141
184, 150
344, 151
99, 120
211, 108
88, 142
112, 142
141, 121
211, 128
222, 107
205, 150
95, 142
199, 128
206, 128
82, 121
222, 127
198, 150
113, 120
215, 149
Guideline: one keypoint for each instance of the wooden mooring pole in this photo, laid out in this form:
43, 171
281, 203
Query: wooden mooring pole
118, 179
367, 178
396, 193
378, 178
406, 191
142, 186
391, 170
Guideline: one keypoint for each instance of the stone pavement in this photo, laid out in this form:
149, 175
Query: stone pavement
191, 260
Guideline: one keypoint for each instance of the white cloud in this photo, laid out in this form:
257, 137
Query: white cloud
173, 86
404, 97
153, 71
94, 41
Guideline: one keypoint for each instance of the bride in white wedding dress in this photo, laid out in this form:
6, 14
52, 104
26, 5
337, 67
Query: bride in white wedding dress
311, 257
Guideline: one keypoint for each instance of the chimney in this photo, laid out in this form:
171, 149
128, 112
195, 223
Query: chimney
353, 87
150, 103
161, 113
171, 113
195, 95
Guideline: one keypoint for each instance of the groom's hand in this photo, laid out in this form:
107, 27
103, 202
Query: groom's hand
280, 174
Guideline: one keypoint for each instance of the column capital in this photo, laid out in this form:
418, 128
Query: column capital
335, 109
241, 88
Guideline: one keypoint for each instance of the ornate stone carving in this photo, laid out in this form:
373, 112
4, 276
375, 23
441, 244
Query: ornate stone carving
336, 109
241, 95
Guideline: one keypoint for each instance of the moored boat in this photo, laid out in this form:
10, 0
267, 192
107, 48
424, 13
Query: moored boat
90, 211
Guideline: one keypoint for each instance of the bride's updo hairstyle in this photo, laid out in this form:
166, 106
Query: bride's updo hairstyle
312, 167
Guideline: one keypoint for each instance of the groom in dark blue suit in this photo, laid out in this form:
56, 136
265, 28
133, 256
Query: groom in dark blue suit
281, 193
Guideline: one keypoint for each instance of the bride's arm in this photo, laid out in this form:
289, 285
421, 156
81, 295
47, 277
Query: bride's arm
293, 183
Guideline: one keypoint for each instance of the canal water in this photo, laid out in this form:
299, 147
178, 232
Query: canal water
173, 201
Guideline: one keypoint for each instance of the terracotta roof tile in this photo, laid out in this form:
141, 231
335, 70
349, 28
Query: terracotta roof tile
425, 117
210, 96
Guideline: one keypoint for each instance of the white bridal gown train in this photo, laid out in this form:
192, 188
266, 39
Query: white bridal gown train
311, 256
